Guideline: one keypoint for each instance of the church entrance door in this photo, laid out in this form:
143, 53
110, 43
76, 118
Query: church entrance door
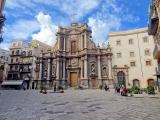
73, 79
93, 82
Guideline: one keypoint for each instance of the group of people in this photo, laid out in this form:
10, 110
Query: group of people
120, 89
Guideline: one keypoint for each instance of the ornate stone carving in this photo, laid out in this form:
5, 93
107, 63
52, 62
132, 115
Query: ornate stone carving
93, 68
74, 62
104, 71
158, 37
53, 70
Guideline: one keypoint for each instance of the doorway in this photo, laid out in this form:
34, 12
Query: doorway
121, 78
93, 81
73, 79
150, 81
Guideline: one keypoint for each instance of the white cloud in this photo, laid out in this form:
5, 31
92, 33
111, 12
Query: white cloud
21, 29
47, 30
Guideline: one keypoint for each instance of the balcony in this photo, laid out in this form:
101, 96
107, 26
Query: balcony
24, 55
36, 69
156, 52
25, 71
25, 63
13, 71
17, 54
153, 20
13, 63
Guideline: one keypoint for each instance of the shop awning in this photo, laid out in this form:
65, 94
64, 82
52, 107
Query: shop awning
12, 82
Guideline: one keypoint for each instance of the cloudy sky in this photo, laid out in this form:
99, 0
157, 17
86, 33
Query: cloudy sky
39, 19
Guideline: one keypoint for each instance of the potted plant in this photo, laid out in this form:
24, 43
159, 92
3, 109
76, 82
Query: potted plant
80, 87
41, 88
60, 88
129, 92
151, 92
101, 86
45, 90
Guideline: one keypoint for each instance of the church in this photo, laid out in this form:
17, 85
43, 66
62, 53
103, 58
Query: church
76, 60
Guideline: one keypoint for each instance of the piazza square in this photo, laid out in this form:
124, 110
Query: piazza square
73, 104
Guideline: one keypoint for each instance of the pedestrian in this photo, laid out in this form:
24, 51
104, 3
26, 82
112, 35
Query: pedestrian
116, 87
106, 87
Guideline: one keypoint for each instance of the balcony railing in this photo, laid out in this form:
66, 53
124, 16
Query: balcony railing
26, 55
16, 54
153, 20
25, 63
24, 71
155, 51
12, 70
13, 63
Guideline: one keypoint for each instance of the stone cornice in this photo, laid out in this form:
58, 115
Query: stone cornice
128, 32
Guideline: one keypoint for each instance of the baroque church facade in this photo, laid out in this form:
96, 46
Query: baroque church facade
76, 60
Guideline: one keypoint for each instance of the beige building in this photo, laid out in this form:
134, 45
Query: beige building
22, 60
132, 58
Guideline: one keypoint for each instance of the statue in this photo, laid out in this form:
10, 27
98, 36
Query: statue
104, 71
45, 73
92, 68
103, 45
53, 71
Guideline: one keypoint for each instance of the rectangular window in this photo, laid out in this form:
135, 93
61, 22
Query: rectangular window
119, 55
118, 43
132, 63
130, 41
14, 44
145, 40
147, 52
148, 62
73, 46
131, 54
12, 52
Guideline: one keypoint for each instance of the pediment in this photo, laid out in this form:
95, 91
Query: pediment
73, 31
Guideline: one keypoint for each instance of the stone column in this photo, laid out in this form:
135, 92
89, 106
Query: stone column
64, 67
81, 69
40, 71
85, 68
85, 38
81, 42
58, 42
57, 73
99, 68
109, 67
64, 44
49, 69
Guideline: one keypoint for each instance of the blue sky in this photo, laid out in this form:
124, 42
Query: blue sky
39, 19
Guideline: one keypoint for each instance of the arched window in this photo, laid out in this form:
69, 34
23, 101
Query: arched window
121, 78
136, 83
150, 81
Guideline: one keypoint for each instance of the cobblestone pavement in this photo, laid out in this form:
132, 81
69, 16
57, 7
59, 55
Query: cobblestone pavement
76, 105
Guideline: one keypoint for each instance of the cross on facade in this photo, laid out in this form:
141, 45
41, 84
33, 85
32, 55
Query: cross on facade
73, 15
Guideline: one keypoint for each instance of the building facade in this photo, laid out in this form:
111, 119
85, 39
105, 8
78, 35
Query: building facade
4, 58
23, 56
154, 30
132, 59
76, 60
2, 17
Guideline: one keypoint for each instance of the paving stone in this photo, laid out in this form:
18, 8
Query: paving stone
76, 105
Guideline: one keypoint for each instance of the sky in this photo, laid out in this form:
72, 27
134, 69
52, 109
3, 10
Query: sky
39, 19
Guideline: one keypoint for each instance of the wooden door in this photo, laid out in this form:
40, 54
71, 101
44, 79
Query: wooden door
93, 82
150, 81
73, 79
